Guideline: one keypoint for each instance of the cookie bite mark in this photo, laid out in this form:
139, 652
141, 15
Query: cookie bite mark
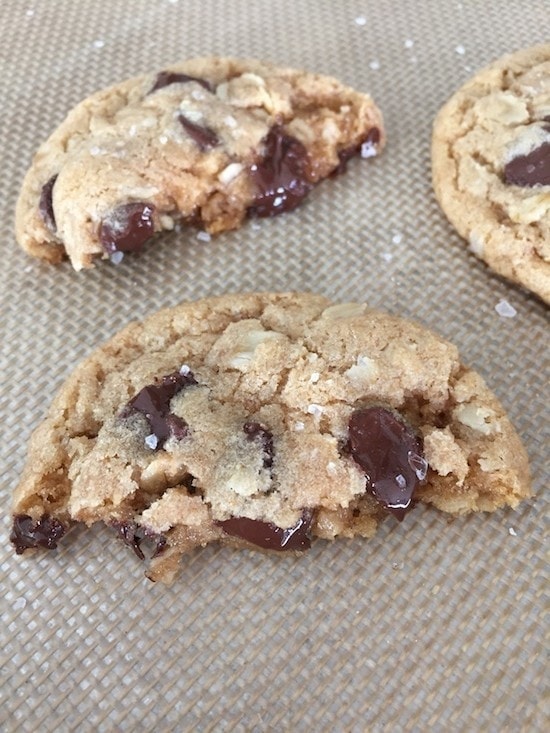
127, 228
45, 204
153, 401
281, 178
167, 78
390, 454
268, 536
530, 170
28, 533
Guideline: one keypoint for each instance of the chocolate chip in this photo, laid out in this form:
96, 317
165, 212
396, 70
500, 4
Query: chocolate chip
133, 535
254, 430
153, 401
26, 532
530, 170
390, 454
281, 177
205, 138
127, 228
45, 205
268, 535
165, 78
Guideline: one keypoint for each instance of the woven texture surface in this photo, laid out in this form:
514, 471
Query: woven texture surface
432, 625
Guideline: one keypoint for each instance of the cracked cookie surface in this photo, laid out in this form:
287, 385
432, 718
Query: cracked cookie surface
207, 142
262, 421
491, 166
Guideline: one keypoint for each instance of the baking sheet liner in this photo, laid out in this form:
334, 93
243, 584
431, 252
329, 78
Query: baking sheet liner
432, 625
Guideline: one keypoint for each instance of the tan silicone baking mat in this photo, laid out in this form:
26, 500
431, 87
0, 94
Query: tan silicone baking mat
434, 624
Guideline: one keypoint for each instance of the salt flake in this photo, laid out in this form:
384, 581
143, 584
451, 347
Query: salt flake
397, 238
504, 309
98, 43
409, 43
368, 150
117, 257
460, 50
512, 531
151, 441
401, 481
374, 65
184, 370
360, 20
203, 236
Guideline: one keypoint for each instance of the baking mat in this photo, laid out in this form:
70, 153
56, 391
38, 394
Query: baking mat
432, 625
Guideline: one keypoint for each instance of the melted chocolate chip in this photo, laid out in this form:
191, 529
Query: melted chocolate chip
133, 535
127, 228
268, 535
254, 430
26, 533
165, 78
45, 205
205, 138
153, 401
281, 177
390, 454
530, 170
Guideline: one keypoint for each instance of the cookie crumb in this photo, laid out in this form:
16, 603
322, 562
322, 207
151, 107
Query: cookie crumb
512, 531
504, 309
315, 377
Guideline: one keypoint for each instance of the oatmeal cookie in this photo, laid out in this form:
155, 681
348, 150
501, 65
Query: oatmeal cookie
262, 421
491, 166
207, 142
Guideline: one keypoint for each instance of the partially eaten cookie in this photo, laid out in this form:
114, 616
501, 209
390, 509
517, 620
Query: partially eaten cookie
208, 142
263, 421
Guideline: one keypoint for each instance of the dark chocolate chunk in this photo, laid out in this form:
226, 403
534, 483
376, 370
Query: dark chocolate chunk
133, 535
254, 430
530, 170
268, 535
390, 454
127, 228
165, 78
153, 401
205, 138
26, 532
45, 205
281, 177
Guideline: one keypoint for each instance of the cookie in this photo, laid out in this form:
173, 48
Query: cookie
262, 421
208, 142
491, 166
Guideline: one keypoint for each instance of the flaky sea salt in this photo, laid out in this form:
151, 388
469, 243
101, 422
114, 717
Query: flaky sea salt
299, 426
99, 43
184, 370
163, 139
401, 481
409, 43
315, 410
460, 50
512, 531
19, 604
116, 258
314, 377
360, 20
368, 149
374, 65
151, 441
387, 256
504, 309
397, 238
203, 236
418, 464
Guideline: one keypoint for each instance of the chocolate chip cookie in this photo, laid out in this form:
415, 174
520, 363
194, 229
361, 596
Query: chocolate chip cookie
208, 142
491, 166
263, 421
